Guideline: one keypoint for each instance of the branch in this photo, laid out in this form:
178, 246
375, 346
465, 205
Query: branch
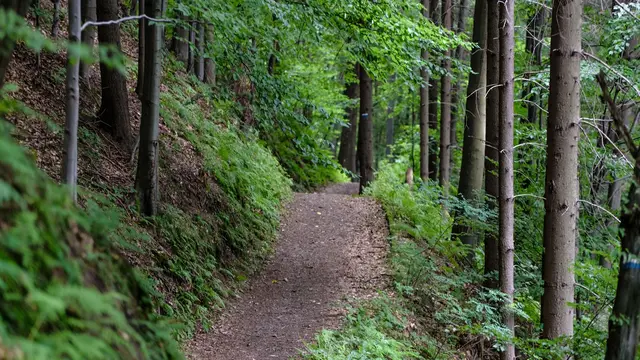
617, 119
613, 71
121, 20
599, 207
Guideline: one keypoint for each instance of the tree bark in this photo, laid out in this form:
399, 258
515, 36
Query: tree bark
89, 34
433, 104
561, 184
491, 258
424, 107
55, 24
209, 62
70, 151
505, 178
199, 70
365, 130
180, 41
348, 138
147, 172
445, 106
472, 169
192, 40
114, 109
7, 44
460, 54
142, 25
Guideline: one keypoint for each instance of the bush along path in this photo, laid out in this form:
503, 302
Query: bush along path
332, 250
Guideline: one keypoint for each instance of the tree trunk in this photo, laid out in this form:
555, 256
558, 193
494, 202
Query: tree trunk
7, 44
460, 54
365, 130
433, 104
424, 107
114, 110
209, 62
142, 25
505, 178
55, 24
180, 41
199, 70
534, 39
472, 169
491, 258
561, 184
70, 151
134, 6
348, 138
445, 106
147, 172
192, 40
89, 34
389, 130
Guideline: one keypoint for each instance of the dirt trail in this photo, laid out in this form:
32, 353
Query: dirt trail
332, 248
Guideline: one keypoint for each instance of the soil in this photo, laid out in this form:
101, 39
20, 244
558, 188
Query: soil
331, 251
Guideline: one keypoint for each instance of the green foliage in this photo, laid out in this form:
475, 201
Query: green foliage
66, 293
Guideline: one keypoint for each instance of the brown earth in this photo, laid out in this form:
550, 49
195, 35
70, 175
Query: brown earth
331, 251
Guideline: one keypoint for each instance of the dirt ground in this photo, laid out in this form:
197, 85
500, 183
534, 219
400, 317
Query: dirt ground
332, 249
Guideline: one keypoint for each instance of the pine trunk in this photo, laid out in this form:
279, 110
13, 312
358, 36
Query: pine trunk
491, 258
147, 172
472, 169
114, 109
89, 34
505, 177
561, 184
6, 43
365, 130
445, 106
349, 136
70, 151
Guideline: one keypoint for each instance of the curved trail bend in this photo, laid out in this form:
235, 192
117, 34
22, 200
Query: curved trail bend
332, 249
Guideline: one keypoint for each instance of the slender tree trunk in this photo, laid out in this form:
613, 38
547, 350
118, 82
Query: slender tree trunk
70, 151
180, 41
200, 46
89, 34
209, 62
506, 211
424, 107
460, 54
445, 106
142, 26
433, 104
133, 8
365, 130
491, 257
348, 138
147, 172
534, 37
192, 40
389, 129
472, 169
561, 185
55, 24
6, 43
114, 110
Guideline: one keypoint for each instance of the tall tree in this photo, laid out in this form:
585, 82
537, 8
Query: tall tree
505, 177
534, 40
365, 129
142, 26
460, 54
6, 42
114, 109
561, 184
200, 46
433, 103
445, 106
491, 258
472, 169
209, 61
348, 138
424, 107
55, 23
70, 151
147, 172
180, 42
89, 34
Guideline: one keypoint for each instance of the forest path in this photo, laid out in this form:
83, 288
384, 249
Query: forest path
332, 248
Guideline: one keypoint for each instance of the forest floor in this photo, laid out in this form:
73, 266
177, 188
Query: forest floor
331, 251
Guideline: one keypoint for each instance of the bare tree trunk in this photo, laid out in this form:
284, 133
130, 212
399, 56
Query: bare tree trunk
142, 25
365, 130
89, 34
472, 169
433, 103
445, 106
70, 151
209, 62
55, 24
180, 41
199, 70
192, 40
491, 257
7, 44
424, 107
561, 184
506, 211
114, 110
460, 54
348, 138
147, 173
